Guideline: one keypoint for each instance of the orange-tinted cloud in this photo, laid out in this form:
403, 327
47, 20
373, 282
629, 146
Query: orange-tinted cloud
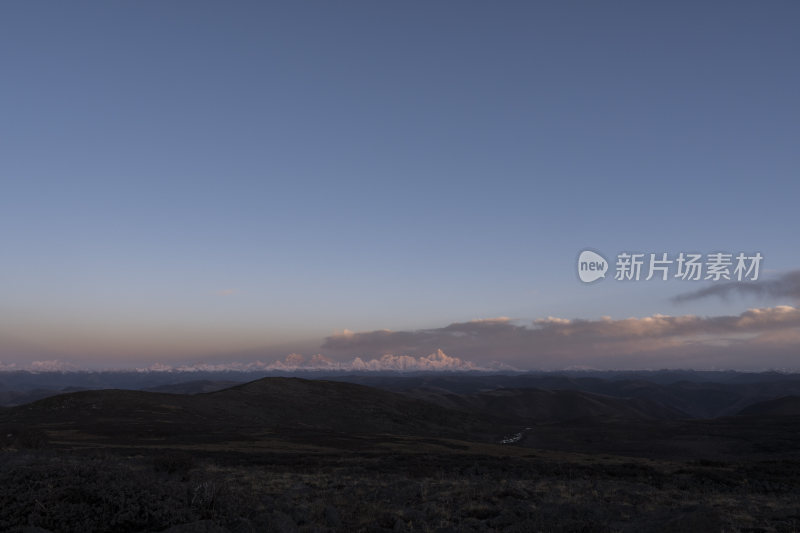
757, 338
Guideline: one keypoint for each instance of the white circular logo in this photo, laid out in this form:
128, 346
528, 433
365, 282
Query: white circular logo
591, 266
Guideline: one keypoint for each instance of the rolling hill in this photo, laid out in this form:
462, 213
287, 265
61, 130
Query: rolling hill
266, 405
785, 406
536, 405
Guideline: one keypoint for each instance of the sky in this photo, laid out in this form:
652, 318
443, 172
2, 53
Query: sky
226, 183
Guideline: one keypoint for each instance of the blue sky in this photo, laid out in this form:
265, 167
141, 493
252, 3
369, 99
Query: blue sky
211, 180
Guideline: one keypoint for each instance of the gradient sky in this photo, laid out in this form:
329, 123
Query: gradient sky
231, 181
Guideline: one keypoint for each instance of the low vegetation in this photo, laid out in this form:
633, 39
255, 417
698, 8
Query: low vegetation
157, 490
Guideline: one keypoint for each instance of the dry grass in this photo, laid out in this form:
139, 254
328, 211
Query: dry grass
146, 490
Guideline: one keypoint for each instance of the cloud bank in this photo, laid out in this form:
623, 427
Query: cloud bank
755, 339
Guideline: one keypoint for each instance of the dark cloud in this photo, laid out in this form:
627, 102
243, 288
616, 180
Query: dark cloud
786, 286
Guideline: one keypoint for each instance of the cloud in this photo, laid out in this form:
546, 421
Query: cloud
762, 338
756, 339
785, 286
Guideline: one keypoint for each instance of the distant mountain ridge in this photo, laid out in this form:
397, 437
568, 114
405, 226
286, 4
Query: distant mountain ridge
695, 393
